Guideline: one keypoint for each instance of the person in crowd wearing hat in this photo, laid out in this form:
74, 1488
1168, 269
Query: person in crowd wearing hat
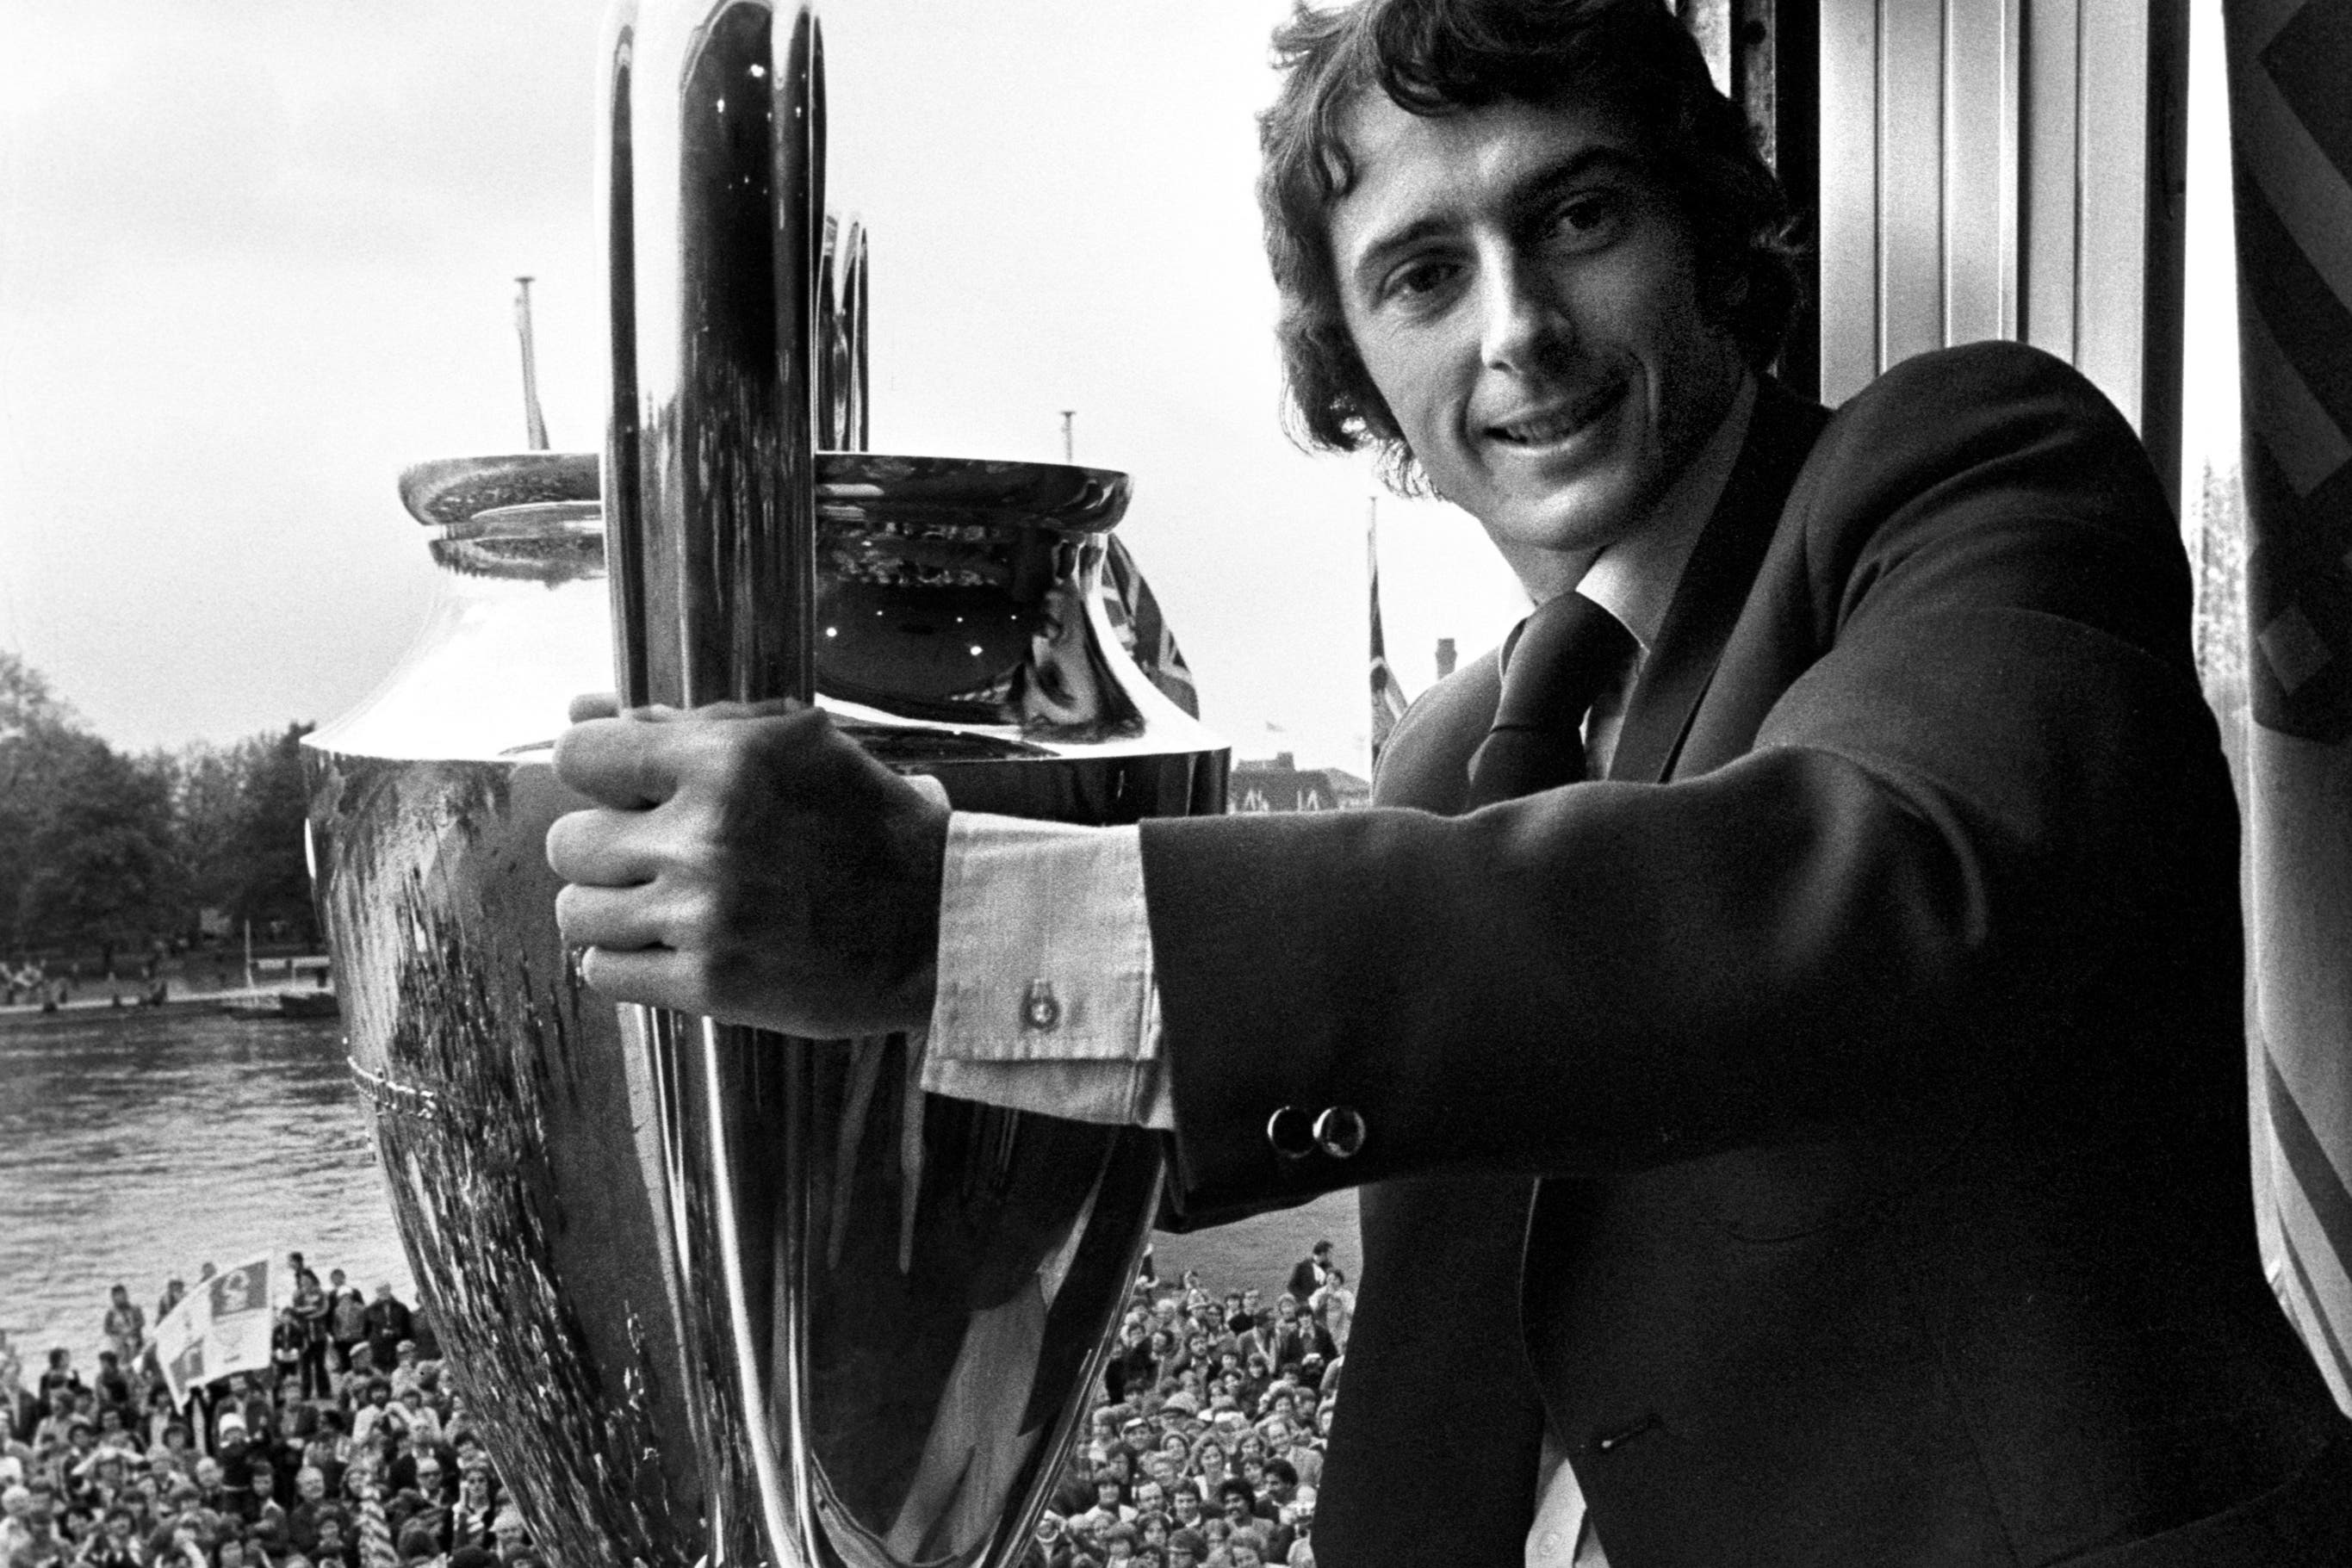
1049, 1545
509, 1534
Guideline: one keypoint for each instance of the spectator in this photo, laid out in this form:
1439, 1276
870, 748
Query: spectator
125, 1327
512, 1538
1311, 1272
311, 1310
388, 1322
346, 1319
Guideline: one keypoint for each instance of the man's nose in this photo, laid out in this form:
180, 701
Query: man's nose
1521, 323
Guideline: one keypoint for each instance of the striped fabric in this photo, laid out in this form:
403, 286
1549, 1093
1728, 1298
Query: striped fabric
376, 1549
2291, 123
1133, 610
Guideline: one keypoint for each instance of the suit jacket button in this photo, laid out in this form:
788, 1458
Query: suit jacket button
1340, 1132
1290, 1133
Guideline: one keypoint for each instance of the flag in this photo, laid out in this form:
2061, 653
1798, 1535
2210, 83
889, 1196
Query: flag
237, 1338
2292, 146
220, 1327
535, 423
1134, 614
179, 1345
1388, 697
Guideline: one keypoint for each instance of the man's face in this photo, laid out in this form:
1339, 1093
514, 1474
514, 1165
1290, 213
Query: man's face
209, 1473
1523, 292
312, 1484
1186, 1504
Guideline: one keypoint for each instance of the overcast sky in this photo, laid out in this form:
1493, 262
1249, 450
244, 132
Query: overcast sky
257, 256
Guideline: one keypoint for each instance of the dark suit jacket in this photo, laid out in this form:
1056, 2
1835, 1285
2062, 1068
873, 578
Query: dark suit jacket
1869, 1043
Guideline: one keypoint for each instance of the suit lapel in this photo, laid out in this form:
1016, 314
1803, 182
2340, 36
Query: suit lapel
1715, 583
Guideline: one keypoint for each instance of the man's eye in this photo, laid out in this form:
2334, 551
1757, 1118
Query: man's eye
1416, 280
1588, 219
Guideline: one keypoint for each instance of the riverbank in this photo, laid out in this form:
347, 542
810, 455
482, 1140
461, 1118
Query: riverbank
183, 992
81, 1010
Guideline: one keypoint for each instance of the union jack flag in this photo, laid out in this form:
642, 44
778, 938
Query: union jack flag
1388, 697
1134, 613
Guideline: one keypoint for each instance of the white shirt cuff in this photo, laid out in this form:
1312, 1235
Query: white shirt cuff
1048, 999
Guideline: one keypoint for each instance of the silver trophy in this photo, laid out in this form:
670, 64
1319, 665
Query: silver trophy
715, 1295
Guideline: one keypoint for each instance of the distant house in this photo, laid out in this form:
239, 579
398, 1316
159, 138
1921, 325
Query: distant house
1281, 785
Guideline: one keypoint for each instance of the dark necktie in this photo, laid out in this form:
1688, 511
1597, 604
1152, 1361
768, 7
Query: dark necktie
1557, 661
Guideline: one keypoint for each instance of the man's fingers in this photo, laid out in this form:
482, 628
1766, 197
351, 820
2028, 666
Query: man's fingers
622, 762
653, 977
620, 918
601, 848
594, 705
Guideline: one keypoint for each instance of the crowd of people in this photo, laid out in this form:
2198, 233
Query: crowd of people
352, 1450
1207, 1447
349, 1450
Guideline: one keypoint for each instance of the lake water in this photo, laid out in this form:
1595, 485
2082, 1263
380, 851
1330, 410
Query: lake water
137, 1146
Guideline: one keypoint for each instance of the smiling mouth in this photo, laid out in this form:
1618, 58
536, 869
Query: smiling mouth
1553, 426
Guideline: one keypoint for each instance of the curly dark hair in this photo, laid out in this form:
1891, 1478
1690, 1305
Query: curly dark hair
1443, 57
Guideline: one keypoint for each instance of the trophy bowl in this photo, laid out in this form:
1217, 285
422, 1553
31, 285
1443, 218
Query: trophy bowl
922, 1287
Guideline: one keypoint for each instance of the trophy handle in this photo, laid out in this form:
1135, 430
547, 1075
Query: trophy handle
724, 364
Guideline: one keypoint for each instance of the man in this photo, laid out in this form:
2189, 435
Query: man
1308, 1276
388, 1322
1817, 1140
346, 1319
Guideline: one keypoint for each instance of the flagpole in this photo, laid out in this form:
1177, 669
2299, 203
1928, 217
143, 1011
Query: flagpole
534, 420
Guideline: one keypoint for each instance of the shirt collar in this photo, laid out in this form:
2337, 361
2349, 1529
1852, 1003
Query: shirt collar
1634, 579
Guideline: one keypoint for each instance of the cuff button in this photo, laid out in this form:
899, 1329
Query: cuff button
1291, 1134
1340, 1132
1041, 1009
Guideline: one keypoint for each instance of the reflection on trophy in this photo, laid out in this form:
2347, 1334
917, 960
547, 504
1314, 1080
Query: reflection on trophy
715, 1294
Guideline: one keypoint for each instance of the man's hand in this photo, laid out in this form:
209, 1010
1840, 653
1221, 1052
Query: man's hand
751, 863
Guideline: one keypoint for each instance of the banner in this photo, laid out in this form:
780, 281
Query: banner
2291, 140
219, 1328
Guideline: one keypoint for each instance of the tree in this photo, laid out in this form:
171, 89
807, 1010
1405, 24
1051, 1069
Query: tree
272, 878
100, 849
104, 867
39, 735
